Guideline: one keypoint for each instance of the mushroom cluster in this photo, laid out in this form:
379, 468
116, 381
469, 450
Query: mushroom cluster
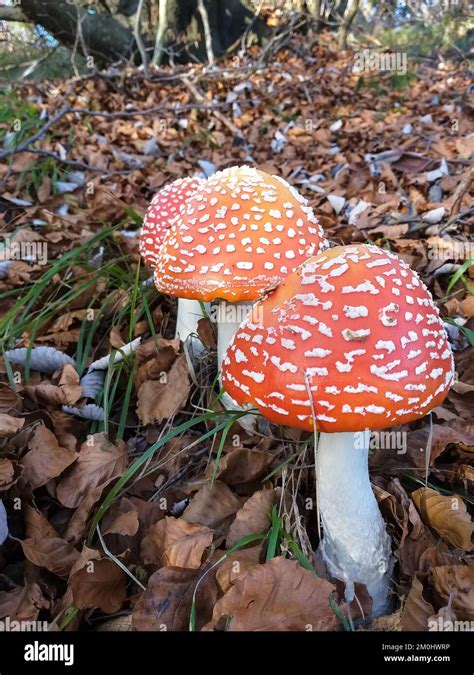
341, 341
350, 342
237, 236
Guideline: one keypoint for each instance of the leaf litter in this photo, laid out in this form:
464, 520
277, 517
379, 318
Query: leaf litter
107, 438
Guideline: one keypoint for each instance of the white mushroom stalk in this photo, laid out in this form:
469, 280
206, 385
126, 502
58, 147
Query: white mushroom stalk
355, 545
190, 312
229, 316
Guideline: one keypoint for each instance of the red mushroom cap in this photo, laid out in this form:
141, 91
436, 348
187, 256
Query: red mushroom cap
357, 327
162, 211
240, 234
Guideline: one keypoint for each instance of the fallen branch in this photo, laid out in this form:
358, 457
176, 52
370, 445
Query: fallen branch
25, 145
201, 99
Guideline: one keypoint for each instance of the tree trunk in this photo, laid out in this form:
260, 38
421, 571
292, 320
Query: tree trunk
348, 18
104, 37
228, 21
314, 10
109, 39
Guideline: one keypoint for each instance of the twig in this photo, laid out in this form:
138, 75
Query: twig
160, 33
207, 32
77, 164
138, 36
24, 146
243, 41
200, 99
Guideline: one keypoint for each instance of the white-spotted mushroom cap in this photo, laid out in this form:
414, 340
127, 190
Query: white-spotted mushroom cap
160, 214
354, 326
239, 234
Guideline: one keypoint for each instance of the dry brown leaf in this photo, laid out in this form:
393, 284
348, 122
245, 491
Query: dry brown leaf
10, 473
456, 582
416, 610
125, 524
36, 525
413, 537
99, 460
97, 582
23, 603
10, 425
10, 401
69, 382
465, 146
153, 363
158, 400
212, 505
467, 306
173, 542
46, 458
447, 515
166, 603
253, 517
78, 523
56, 554
277, 596
235, 564
207, 335
244, 465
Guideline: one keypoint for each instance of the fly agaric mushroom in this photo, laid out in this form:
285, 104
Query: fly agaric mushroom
240, 234
350, 341
162, 211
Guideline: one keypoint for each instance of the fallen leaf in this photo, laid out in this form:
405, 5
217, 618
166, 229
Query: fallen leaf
160, 400
277, 596
97, 582
23, 603
456, 582
207, 335
253, 517
447, 515
10, 401
55, 554
235, 564
244, 465
416, 610
125, 524
10, 473
10, 425
98, 461
212, 505
166, 603
173, 542
46, 458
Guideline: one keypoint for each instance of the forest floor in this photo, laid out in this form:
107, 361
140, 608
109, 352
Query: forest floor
132, 501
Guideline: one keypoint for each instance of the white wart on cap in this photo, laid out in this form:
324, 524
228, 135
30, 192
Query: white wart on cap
162, 211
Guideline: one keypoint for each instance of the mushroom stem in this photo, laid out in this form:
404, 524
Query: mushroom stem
355, 545
189, 313
229, 317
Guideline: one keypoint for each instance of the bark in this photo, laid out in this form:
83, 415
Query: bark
314, 10
348, 18
109, 39
228, 20
104, 37
12, 14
